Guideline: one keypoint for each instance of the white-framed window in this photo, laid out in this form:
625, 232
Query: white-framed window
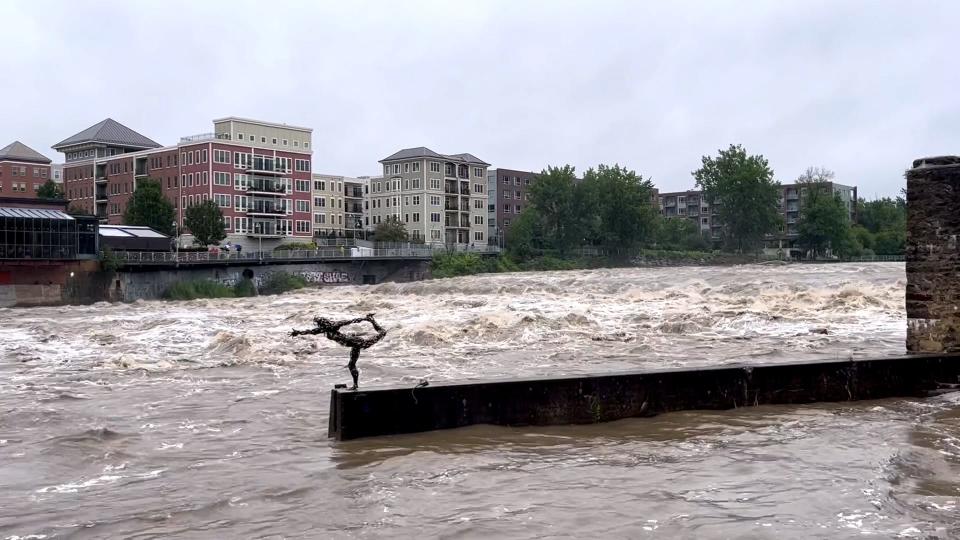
274, 140
319, 185
241, 181
284, 142
416, 200
320, 202
435, 183
478, 204
303, 206
296, 144
303, 226
320, 219
221, 178
396, 168
227, 223
478, 188
416, 166
240, 136
190, 180
516, 195
263, 140
435, 217
506, 222
221, 156
406, 167
242, 160
434, 200
478, 220
241, 224
434, 234
222, 200
302, 165
306, 144
302, 185
284, 226
416, 217
477, 235
203, 155
478, 171
434, 166
517, 209
206, 179
183, 158
240, 203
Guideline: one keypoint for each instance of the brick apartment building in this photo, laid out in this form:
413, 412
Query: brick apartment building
694, 206
441, 198
22, 171
257, 172
508, 195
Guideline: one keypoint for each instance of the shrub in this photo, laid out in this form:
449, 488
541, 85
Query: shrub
296, 246
198, 288
279, 282
245, 288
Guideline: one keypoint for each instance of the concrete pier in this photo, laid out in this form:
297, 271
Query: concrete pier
933, 256
592, 399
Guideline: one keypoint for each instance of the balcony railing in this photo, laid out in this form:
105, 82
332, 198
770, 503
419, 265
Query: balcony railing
267, 166
204, 137
270, 209
266, 185
401, 251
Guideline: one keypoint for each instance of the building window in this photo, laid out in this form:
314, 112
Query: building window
478, 188
252, 138
222, 200
478, 220
478, 203
296, 144
302, 185
303, 206
477, 235
240, 136
416, 217
284, 142
506, 223
434, 200
205, 178
203, 155
221, 178
435, 217
516, 195
263, 140
303, 226
319, 202
434, 166
320, 219
274, 140
435, 183
190, 180
478, 172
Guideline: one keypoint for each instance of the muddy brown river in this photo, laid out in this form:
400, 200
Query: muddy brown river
203, 419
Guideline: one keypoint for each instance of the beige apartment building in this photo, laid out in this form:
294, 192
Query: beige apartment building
440, 198
328, 204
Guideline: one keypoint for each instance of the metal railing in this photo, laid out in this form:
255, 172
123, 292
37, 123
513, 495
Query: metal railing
402, 251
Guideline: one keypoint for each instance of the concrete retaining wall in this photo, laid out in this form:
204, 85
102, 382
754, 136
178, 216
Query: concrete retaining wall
152, 283
602, 398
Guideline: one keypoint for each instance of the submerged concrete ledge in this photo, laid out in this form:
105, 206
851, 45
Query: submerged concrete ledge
589, 399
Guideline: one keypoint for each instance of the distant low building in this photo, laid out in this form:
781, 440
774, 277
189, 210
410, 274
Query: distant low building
508, 195
22, 171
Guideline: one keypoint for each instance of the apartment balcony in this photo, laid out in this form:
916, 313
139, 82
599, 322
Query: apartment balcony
100, 179
669, 203
267, 210
450, 207
792, 196
450, 188
266, 186
265, 166
264, 229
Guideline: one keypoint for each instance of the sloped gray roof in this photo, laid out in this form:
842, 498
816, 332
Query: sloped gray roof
424, 152
110, 132
17, 151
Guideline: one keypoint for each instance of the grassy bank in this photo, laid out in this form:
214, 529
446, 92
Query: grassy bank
275, 283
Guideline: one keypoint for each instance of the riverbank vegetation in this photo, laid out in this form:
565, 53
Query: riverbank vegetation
273, 283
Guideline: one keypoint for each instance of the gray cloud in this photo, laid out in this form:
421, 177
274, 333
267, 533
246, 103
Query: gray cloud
859, 87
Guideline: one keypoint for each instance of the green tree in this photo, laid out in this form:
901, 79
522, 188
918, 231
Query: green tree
149, 208
882, 214
391, 230
50, 190
622, 201
680, 233
205, 222
554, 196
524, 236
824, 221
745, 194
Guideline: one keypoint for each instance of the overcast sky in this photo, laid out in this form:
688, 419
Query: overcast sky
859, 87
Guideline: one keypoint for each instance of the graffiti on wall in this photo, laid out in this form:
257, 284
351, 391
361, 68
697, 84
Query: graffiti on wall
318, 278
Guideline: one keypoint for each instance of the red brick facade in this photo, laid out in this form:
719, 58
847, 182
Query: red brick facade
21, 179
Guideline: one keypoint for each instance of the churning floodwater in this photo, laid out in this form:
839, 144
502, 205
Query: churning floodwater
204, 419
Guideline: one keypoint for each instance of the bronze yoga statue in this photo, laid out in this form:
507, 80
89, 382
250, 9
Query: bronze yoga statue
356, 343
